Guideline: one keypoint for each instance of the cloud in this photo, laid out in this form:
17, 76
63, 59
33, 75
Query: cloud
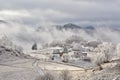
26, 15
64, 11
25, 35
14, 15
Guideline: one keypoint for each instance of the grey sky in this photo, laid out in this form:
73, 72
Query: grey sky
45, 12
61, 11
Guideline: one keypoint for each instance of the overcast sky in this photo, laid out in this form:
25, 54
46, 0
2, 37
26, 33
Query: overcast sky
61, 11
45, 12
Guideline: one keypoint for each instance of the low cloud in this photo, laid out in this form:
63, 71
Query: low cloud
26, 35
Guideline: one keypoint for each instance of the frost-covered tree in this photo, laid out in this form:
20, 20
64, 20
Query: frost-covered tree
8, 50
93, 44
99, 58
108, 49
75, 39
118, 50
56, 43
5, 41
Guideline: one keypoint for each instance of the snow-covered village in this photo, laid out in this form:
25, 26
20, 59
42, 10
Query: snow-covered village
59, 40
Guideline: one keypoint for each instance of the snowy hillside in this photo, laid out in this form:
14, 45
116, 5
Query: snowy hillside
9, 51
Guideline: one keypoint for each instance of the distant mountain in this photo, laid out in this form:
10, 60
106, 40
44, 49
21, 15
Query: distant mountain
89, 28
71, 26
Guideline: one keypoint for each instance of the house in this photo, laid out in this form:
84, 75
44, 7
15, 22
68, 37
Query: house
57, 53
80, 55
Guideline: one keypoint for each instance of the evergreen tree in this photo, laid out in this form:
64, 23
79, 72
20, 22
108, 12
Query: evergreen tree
34, 47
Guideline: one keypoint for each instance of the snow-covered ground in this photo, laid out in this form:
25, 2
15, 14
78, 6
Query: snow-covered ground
15, 65
29, 69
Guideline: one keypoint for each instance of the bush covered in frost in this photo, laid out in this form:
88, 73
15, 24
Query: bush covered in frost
108, 49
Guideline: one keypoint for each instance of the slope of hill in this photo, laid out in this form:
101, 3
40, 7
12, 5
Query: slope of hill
9, 51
